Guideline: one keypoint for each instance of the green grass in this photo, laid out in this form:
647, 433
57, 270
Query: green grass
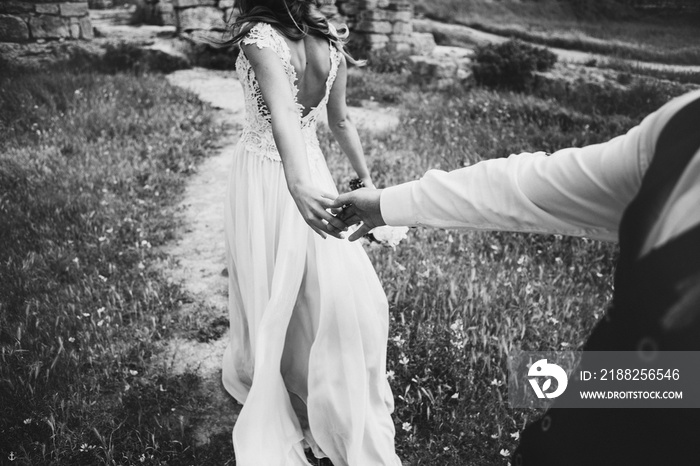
461, 302
672, 40
91, 168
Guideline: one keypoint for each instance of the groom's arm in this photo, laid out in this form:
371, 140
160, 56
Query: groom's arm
575, 191
580, 192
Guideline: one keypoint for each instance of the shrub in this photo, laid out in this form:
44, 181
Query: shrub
510, 65
384, 61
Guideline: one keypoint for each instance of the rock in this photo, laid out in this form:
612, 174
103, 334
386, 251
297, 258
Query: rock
401, 27
164, 14
374, 27
439, 72
225, 4
74, 29
193, 3
74, 9
401, 5
205, 18
14, 7
422, 43
48, 27
13, 29
86, 31
99, 4
48, 8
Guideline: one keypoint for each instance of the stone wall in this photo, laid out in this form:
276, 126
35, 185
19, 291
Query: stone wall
201, 15
383, 24
158, 12
37, 21
374, 24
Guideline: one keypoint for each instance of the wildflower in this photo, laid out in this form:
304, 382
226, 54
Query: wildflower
505, 453
390, 236
28, 421
403, 360
515, 435
133, 372
407, 426
390, 375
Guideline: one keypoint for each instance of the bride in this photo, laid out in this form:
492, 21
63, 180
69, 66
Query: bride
309, 318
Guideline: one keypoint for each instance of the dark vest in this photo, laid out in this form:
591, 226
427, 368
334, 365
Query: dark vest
646, 288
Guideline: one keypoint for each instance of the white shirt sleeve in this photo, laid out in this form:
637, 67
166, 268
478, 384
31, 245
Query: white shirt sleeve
575, 191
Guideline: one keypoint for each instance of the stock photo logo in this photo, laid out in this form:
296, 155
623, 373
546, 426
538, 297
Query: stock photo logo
544, 370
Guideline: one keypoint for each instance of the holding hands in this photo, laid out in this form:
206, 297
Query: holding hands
358, 206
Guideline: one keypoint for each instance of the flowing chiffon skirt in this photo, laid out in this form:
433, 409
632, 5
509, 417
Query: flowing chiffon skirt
309, 328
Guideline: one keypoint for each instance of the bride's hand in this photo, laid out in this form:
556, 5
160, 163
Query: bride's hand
312, 204
367, 183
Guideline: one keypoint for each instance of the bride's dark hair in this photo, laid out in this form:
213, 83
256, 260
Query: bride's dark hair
295, 19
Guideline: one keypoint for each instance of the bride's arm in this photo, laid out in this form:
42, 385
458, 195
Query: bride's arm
343, 128
286, 129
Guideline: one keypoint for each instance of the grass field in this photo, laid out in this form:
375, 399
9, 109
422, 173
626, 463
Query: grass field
674, 40
91, 167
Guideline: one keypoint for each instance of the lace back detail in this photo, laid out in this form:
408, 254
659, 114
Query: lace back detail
257, 134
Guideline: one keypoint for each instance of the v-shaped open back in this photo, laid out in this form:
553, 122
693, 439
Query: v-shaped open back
258, 128
333, 61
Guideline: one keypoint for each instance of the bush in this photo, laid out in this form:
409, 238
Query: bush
384, 61
510, 65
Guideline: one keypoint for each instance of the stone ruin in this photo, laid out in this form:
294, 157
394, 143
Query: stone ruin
374, 24
41, 20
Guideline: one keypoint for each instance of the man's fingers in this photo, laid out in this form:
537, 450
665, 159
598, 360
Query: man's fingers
350, 220
360, 232
342, 200
335, 225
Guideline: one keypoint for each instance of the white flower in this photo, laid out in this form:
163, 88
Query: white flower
390, 236
504, 452
407, 426
515, 435
403, 360
133, 372
390, 375
28, 421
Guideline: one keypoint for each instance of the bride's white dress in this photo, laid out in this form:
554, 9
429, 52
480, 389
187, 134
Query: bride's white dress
309, 318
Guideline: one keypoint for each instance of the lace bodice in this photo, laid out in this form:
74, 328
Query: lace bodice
257, 133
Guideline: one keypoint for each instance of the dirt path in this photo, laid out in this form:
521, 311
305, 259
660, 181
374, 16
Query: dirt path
197, 257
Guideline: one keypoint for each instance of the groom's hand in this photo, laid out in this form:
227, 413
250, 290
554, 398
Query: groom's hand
358, 206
